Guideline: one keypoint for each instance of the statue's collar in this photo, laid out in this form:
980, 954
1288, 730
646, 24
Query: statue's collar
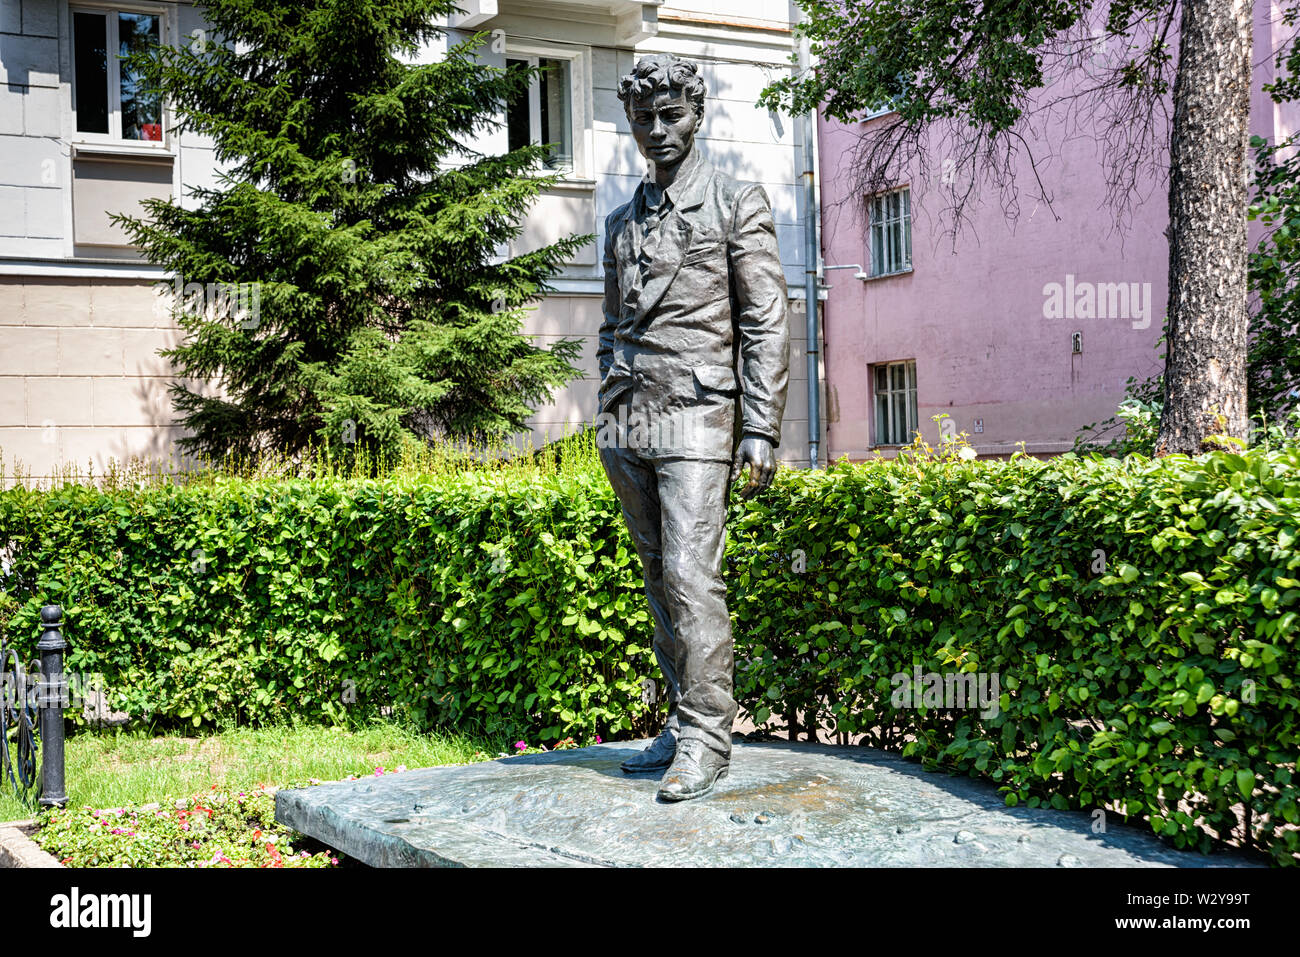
687, 190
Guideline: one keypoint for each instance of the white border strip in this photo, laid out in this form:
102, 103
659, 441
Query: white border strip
81, 269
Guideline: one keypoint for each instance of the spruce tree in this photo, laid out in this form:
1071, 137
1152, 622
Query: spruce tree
342, 285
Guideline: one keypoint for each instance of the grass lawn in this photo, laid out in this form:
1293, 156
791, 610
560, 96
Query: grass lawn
116, 769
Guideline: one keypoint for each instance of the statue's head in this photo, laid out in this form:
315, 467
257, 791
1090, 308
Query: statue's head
664, 100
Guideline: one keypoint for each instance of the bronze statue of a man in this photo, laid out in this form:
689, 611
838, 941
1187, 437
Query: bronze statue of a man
693, 289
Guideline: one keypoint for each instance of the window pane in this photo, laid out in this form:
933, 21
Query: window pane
907, 242
882, 419
556, 125
913, 416
141, 109
877, 250
907, 228
90, 61
517, 111
881, 385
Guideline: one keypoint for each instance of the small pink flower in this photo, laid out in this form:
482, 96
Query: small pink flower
598, 739
519, 745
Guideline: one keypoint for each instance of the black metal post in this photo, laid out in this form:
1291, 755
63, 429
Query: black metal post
52, 699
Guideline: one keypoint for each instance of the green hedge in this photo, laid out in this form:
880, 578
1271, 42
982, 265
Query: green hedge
503, 602
1121, 687
1160, 686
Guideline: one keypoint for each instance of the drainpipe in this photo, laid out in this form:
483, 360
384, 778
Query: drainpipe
812, 253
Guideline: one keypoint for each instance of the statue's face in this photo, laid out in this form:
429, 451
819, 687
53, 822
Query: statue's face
664, 126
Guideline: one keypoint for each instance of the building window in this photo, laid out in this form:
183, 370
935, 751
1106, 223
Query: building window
545, 113
891, 102
108, 97
895, 396
891, 232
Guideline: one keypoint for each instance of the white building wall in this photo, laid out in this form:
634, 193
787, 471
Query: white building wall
81, 383
740, 48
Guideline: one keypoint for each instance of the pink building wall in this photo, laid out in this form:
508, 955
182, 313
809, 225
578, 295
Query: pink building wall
976, 318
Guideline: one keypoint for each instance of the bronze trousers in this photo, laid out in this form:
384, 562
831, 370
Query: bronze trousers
676, 512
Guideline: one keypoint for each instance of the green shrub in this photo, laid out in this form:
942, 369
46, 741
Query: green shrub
507, 601
1139, 615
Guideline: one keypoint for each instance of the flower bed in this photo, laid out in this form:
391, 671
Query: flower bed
213, 829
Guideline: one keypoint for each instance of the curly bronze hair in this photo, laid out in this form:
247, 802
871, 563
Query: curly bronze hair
662, 71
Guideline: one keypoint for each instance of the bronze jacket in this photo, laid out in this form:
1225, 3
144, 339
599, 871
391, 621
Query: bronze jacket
711, 298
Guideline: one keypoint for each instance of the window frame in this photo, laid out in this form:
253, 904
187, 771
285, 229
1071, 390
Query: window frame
533, 61
909, 394
890, 105
903, 223
580, 98
112, 140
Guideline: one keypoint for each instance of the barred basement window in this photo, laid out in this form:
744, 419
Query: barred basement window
891, 232
895, 398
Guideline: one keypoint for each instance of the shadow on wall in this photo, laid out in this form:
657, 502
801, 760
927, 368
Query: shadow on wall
16, 54
152, 447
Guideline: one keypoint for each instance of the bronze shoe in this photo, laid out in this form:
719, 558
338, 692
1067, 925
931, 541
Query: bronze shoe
694, 771
656, 757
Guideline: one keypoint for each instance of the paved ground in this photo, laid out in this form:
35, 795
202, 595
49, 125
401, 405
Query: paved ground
782, 804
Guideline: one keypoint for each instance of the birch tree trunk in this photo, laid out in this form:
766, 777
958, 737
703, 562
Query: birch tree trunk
1205, 365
